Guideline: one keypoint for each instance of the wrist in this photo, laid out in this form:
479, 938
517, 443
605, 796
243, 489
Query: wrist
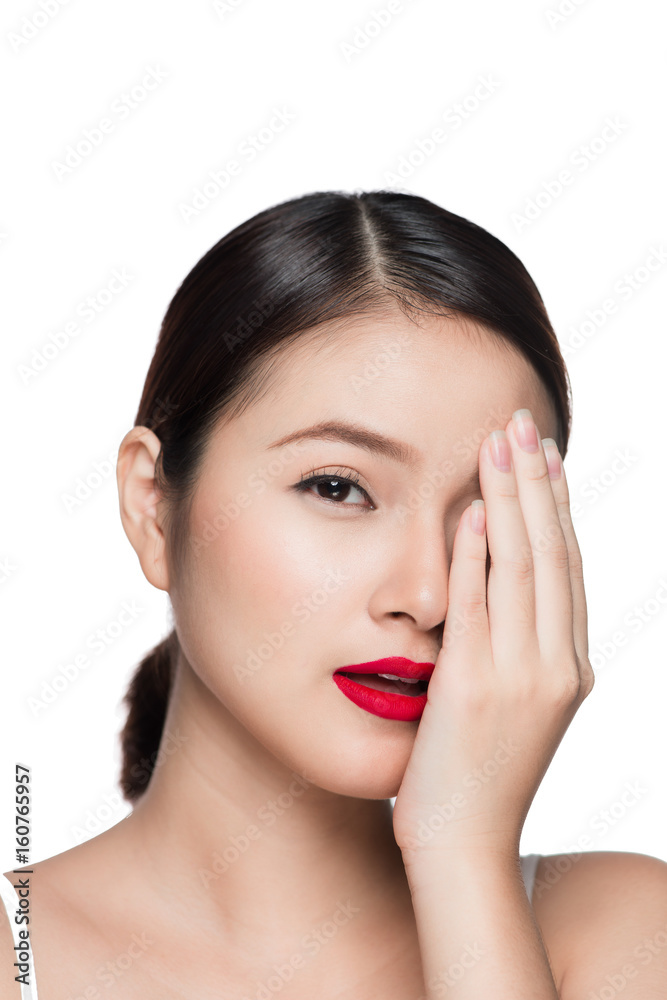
503, 848
486, 856
463, 877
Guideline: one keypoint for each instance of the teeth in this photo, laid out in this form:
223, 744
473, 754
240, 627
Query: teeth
406, 680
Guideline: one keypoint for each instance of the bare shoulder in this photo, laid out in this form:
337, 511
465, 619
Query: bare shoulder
9, 988
71, 935
603, 919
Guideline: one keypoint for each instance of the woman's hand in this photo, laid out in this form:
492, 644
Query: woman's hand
513, 668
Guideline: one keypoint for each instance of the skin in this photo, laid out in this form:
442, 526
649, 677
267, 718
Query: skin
243, 584
239, 739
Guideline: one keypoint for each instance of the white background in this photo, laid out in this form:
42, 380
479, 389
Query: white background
555, 81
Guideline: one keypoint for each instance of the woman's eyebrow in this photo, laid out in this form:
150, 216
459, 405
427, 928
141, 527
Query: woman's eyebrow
362, 437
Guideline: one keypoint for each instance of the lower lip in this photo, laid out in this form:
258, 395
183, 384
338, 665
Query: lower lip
404, 707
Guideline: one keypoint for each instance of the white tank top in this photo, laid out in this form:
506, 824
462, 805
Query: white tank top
10, 898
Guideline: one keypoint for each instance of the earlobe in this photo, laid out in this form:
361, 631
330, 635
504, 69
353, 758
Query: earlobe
139, 502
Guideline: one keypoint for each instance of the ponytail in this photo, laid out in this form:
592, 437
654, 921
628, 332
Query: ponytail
146, 698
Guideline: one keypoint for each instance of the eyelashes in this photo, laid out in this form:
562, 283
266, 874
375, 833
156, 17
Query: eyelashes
336, 484
341, 486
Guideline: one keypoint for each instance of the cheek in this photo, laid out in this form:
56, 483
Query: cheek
252, 576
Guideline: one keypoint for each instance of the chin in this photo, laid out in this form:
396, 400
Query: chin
359, 772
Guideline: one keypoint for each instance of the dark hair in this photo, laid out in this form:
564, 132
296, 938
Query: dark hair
322, 256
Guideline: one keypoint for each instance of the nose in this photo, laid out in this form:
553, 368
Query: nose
412, 580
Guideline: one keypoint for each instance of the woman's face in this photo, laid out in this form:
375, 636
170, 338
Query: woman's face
284, 585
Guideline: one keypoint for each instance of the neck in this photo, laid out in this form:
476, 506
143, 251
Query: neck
258, 852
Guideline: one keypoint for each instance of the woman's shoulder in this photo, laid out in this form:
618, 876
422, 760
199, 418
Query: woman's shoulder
65, 877
603, 914
46, 881
78, 919
28, 888
72, 883
53, 918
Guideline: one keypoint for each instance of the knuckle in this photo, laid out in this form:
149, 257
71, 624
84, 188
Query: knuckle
506, 494
466, 618
576, 566
478, 557
587, 679
473, 605
559, 554
520, 568
566, 686
538, 473
563, 505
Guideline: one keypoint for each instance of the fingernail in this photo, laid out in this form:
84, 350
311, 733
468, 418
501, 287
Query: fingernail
553, 457
526, 431
500, 450
477, 517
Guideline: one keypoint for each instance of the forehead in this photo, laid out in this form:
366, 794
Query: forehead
431, 384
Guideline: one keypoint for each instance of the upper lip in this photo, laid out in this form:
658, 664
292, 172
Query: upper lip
398, 665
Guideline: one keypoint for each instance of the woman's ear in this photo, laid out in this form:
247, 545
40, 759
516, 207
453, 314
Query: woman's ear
139, 503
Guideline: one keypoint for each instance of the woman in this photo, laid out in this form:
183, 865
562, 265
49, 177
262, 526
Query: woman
345, 471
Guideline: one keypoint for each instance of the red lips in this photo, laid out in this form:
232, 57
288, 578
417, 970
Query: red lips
387, 704
398, 665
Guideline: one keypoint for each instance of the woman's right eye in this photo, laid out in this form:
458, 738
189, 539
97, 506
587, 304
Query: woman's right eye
337, 488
